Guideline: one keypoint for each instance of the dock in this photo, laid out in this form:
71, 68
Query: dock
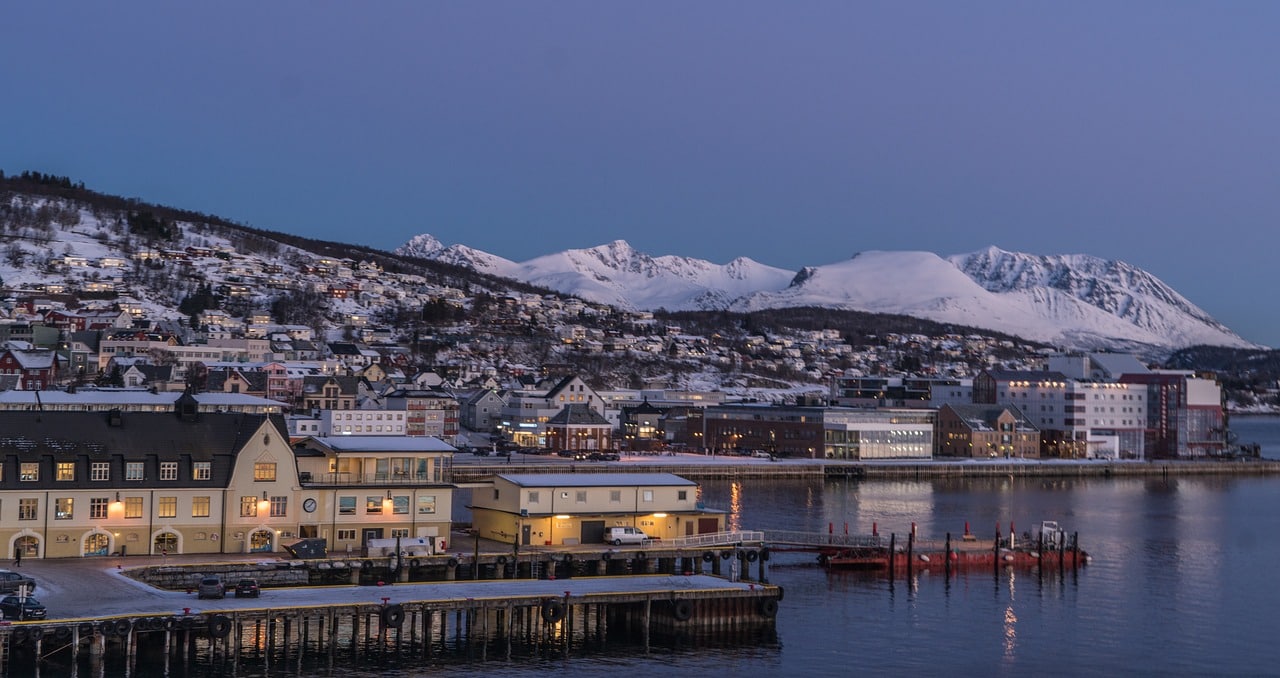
478, 619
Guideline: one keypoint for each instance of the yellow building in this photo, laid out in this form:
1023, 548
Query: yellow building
576, 508
76, 484
357, 488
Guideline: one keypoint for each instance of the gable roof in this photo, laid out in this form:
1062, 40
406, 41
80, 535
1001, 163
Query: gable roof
578, 414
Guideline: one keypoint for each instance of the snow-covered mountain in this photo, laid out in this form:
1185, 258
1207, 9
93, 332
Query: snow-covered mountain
1076, 301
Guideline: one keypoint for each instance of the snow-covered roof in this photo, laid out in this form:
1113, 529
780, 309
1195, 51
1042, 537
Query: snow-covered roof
384, 443
594, 479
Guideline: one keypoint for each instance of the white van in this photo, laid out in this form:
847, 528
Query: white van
624, 535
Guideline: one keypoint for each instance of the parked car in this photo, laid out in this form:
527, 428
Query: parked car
11, 581
604, 456
248, 588
624, 535
211, 587
18, 609
565, 453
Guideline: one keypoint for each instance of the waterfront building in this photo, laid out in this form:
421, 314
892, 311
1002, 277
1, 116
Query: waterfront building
575, 508
190, 479
527, 411
357, 488
983, 431
881, 433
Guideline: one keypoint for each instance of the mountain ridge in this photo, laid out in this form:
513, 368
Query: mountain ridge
1077, 301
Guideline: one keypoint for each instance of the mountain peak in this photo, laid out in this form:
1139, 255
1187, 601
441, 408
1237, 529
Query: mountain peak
1077, 301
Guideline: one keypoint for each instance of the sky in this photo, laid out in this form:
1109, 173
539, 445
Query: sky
791, 133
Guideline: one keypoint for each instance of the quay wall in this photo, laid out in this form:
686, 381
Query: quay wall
820, 468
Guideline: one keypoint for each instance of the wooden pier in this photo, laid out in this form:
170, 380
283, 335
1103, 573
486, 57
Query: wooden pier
492, 620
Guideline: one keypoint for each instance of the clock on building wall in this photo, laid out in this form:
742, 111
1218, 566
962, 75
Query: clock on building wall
309, 505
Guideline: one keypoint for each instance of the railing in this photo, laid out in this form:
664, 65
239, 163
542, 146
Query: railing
394, 478
714, 539
825, 539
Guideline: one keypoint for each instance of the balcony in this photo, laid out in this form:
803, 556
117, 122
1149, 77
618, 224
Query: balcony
369, 479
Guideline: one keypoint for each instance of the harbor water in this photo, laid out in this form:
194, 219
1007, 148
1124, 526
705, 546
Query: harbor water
1181, 583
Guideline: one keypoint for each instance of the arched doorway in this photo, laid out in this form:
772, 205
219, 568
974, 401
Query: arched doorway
165, 543
260, 541
28, 546
97, 544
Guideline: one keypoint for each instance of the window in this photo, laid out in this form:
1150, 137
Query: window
400, 504
168, 470
28, 508
100, 470
264, 471
133, 470
249, 507
167, 507
98, 507
201, 470
682, 495
615, 496
373, 505
29, 471
279, 506
62, 508
346, 535
199, 507
347, 506
427, 504
65, 470
403, 532
646, 495
133, 507
580, 496
533, 496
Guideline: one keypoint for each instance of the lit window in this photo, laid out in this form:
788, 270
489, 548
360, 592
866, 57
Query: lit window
167, 507
133, 507
427, 504
201, 470
264, 471
373, 505
62, 508
29, 471
65, 470
248, 507
199, 507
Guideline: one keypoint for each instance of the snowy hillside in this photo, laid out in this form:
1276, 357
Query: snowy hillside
1075, 301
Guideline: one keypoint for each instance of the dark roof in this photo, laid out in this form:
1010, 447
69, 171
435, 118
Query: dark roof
577, 414
971, 415
643, 408
150, 437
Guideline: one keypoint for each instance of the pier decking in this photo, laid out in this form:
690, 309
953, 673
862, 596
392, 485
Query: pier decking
473, 617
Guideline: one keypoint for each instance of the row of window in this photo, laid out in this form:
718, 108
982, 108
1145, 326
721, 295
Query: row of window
615, 496
29, 471
378, 504
132, 507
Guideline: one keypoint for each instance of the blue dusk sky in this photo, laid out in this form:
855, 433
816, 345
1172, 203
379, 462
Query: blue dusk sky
791, 133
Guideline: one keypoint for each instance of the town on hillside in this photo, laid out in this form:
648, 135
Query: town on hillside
233, 392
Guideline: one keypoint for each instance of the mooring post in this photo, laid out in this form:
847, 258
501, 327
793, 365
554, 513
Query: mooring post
893, 553
911, 547
1075, 550
648, 609
946, 558
1062, 552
